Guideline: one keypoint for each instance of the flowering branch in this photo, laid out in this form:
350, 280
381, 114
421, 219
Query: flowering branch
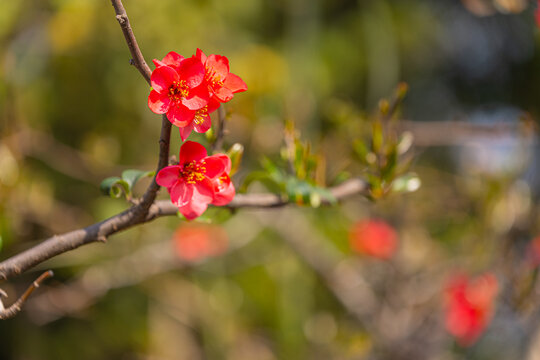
99, 232
7, 313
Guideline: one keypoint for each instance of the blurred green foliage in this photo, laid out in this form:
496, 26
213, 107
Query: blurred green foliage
74, 112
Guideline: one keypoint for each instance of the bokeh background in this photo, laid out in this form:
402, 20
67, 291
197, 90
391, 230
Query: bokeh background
271, 284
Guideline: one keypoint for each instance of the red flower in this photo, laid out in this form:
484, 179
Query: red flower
178, 89
201, 121
221, 83
469, 306
537, 13
224, 188
195, 242
373, 238
192, 183
533, 252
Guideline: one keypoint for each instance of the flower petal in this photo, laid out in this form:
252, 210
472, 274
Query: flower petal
173, 59
202, 122
191, 70
193, 209
180, 115
226, 162
191, 151
224, 191
163, 77
204, 190
217, 66
200, 55
185, 131
158, 63
158, 103
181, 193
198, 98
215, 165
223, 94
234, 83
168, 176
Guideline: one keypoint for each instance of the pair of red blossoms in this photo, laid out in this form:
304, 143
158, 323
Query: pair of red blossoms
188, 90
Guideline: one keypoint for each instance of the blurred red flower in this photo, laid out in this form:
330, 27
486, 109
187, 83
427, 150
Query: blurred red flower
537, 13
196, 242
469, 306
373, 238
533, 252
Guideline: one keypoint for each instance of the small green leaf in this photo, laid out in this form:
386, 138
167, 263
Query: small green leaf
235, 153
131, 176
114, 187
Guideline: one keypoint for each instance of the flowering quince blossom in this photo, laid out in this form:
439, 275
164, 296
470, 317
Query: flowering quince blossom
373, 238
188, 90
195, 242
221, 83
178, 91
533, 252
198, 180
469, 306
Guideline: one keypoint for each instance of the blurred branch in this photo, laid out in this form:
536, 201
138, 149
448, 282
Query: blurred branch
60, 157
99, 232
6, 313
452, 133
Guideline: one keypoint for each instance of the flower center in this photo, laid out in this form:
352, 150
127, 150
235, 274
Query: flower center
199, 115
178, 90
213, 79
193, 172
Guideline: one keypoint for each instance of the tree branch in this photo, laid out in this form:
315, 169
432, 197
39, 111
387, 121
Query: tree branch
17, 305
99, 232
137, 56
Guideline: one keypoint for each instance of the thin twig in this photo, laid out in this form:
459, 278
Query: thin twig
220, 132
138, 58
16, 307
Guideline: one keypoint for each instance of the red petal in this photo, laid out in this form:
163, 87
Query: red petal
213, 104
193, 209
203, 123
215, 165
234, 83
224, 191
223, 94
158, 63
198, 98
200, 55
158, 103
218, 67
163, 77
185, 131
168, 176
180, 115
192, 71
191, 151
226, 162
181, 193
173, 59
204, 191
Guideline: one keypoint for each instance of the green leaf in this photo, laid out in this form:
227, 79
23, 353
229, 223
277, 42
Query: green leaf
235, 153
131, 176
114, 187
